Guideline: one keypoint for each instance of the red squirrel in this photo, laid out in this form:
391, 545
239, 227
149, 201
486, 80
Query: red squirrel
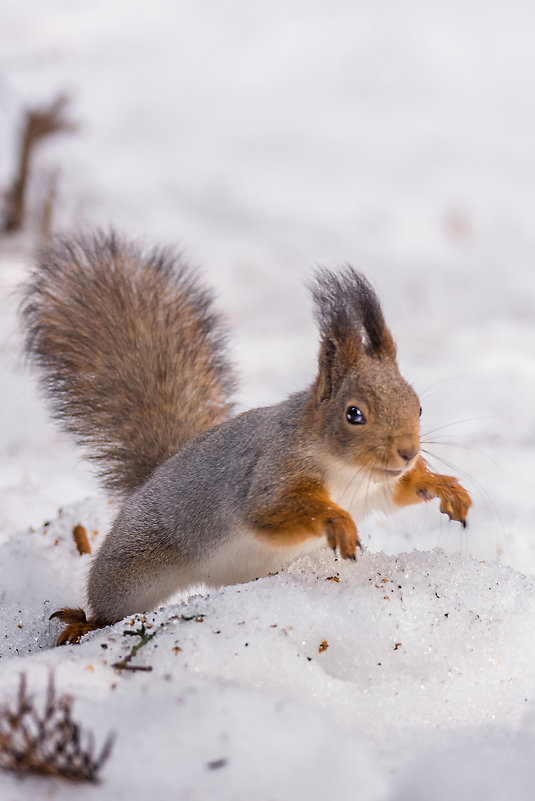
133, 361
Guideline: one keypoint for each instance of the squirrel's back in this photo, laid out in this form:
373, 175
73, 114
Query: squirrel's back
132, 353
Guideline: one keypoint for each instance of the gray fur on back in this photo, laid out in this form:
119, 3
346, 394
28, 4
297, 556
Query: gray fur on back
194, 502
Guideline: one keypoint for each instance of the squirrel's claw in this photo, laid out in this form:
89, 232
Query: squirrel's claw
421, 484
454, 500
77, 625
342, 536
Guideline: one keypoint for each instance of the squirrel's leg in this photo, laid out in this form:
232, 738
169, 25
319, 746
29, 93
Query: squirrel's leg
130, 573
77, 625
420, 484
293, 515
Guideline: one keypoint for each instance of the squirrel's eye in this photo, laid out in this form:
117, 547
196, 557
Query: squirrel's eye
420, 412
355, 416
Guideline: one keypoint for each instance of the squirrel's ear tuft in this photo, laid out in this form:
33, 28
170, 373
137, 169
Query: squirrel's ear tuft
350, 322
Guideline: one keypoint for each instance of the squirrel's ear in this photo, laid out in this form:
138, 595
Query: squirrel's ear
385, 346
351, 323
338, 353
350, 318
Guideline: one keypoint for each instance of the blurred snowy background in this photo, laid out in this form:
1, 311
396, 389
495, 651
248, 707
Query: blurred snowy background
264, 140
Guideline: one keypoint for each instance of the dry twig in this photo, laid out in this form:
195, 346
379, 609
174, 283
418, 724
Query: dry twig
39, 123
49, 742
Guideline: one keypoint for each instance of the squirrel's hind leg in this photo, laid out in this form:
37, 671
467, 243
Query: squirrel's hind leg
135, 571
113, 594
77, 625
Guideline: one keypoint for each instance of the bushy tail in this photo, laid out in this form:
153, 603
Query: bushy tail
132, 354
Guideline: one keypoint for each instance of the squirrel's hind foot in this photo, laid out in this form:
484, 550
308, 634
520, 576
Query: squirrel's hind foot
77, 625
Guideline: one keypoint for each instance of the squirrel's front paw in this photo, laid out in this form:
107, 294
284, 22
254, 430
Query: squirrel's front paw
342, 535
421, 484
454, 499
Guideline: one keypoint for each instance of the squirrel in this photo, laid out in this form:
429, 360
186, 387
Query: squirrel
133, 360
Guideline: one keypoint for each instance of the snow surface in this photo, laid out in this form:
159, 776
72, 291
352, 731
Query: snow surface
265, 140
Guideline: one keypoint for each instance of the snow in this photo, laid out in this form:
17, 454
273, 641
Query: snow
265, 141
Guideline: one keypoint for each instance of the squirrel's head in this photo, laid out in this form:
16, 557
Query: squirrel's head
366, 414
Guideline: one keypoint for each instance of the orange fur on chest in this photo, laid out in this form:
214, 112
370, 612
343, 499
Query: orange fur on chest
302, 512
294, 516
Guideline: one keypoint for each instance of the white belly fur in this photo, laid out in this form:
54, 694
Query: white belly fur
246, 557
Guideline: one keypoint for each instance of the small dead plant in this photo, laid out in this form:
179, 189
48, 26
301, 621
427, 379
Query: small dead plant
48, 742
38, 124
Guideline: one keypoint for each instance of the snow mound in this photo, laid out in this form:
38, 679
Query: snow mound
292, 686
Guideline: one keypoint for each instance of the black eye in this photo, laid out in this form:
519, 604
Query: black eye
355, 416
420, 412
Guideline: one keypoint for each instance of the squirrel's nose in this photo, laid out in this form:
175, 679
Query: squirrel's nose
408, 453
